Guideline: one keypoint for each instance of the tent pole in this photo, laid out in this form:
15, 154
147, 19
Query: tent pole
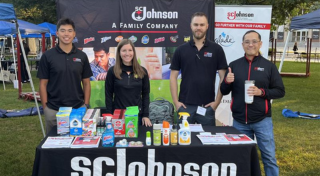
284, 51
14, 57
31, 81
4, 86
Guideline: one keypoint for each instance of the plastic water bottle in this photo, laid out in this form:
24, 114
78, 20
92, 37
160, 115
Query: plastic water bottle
108, 134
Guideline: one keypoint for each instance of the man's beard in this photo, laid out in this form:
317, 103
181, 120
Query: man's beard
198, 37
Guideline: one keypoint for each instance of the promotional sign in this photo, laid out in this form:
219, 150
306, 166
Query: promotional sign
231, 23
155, 27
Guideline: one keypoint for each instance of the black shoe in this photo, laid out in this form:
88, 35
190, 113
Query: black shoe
25, 81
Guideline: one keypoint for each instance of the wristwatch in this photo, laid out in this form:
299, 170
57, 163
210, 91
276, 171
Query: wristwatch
87, 105
261, 93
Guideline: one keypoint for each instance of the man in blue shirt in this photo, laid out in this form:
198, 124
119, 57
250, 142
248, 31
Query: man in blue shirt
101, 63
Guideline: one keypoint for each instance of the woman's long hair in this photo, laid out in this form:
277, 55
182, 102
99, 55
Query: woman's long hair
137, 69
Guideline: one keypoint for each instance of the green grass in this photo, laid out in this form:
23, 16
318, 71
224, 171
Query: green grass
297, 144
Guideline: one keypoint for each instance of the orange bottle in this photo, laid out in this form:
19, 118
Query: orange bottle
165, 133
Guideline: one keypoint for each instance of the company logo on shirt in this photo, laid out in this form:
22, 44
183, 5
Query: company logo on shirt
145, 39
173, 39
157, 40
76, 60
258, 69
87, 40
119, 38
207, 54
225, 40
141, 13
133, 39
104, 39
186, 38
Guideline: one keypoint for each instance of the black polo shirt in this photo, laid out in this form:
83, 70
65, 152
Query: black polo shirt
198, 71
65, 72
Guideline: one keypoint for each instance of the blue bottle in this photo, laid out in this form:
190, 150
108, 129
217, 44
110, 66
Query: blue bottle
108, 134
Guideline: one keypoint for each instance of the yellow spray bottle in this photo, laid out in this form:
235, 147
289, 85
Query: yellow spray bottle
184, 132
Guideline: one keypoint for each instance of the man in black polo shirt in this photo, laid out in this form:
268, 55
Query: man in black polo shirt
61, 71
199, 60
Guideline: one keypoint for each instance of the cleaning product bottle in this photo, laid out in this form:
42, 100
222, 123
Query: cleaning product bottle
156, 134
165, 133
184, 132
148, 139
174, 135
108, 134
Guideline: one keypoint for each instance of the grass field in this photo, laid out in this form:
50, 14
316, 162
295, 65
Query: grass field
298, 148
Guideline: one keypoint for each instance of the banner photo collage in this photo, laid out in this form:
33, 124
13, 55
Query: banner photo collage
155, 27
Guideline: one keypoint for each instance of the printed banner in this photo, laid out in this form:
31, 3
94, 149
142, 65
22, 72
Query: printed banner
230, 26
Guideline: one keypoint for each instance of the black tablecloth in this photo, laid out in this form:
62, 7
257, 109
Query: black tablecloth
240, 160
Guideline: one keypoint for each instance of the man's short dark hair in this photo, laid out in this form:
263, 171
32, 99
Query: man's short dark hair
200, 14
100, 47
65, 21
250, 31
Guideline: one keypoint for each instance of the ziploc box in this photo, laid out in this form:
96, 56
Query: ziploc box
89, 122
65, 109
62, 122
131, 121
118, 123
75, 123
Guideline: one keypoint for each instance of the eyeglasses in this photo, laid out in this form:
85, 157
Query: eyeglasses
253, 42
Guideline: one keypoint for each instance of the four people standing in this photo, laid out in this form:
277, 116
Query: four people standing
63, 69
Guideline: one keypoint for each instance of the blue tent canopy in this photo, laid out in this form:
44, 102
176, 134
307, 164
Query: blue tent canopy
51, 27
7, 28
307, 21
7, 12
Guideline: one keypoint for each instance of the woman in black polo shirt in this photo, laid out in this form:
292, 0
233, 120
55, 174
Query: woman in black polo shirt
127, 83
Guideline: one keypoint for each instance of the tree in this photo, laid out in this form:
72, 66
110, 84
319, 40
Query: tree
35, 11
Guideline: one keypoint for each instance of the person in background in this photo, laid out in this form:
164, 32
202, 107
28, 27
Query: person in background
295, 48
24, 72
127, 83
101, 63
199, 60
255, 119
61, 71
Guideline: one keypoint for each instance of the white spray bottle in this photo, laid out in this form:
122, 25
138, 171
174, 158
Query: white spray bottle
184, 133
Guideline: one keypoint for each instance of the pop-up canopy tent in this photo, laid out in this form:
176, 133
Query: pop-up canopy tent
307, 21
26, 30
7, 13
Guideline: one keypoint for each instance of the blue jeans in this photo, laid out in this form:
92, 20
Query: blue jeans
207, 120
263, 131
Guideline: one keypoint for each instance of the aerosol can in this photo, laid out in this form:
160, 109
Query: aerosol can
184, 132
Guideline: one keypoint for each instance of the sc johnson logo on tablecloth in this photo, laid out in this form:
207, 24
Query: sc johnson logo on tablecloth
192, 169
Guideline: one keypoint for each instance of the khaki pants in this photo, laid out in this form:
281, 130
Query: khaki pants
50, 118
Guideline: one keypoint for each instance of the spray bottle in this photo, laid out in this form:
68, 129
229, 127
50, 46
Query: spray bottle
108, 134
184, 132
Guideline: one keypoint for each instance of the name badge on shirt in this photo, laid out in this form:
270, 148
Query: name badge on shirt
201, 111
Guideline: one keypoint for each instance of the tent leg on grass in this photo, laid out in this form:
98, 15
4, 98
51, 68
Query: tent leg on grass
29, 74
